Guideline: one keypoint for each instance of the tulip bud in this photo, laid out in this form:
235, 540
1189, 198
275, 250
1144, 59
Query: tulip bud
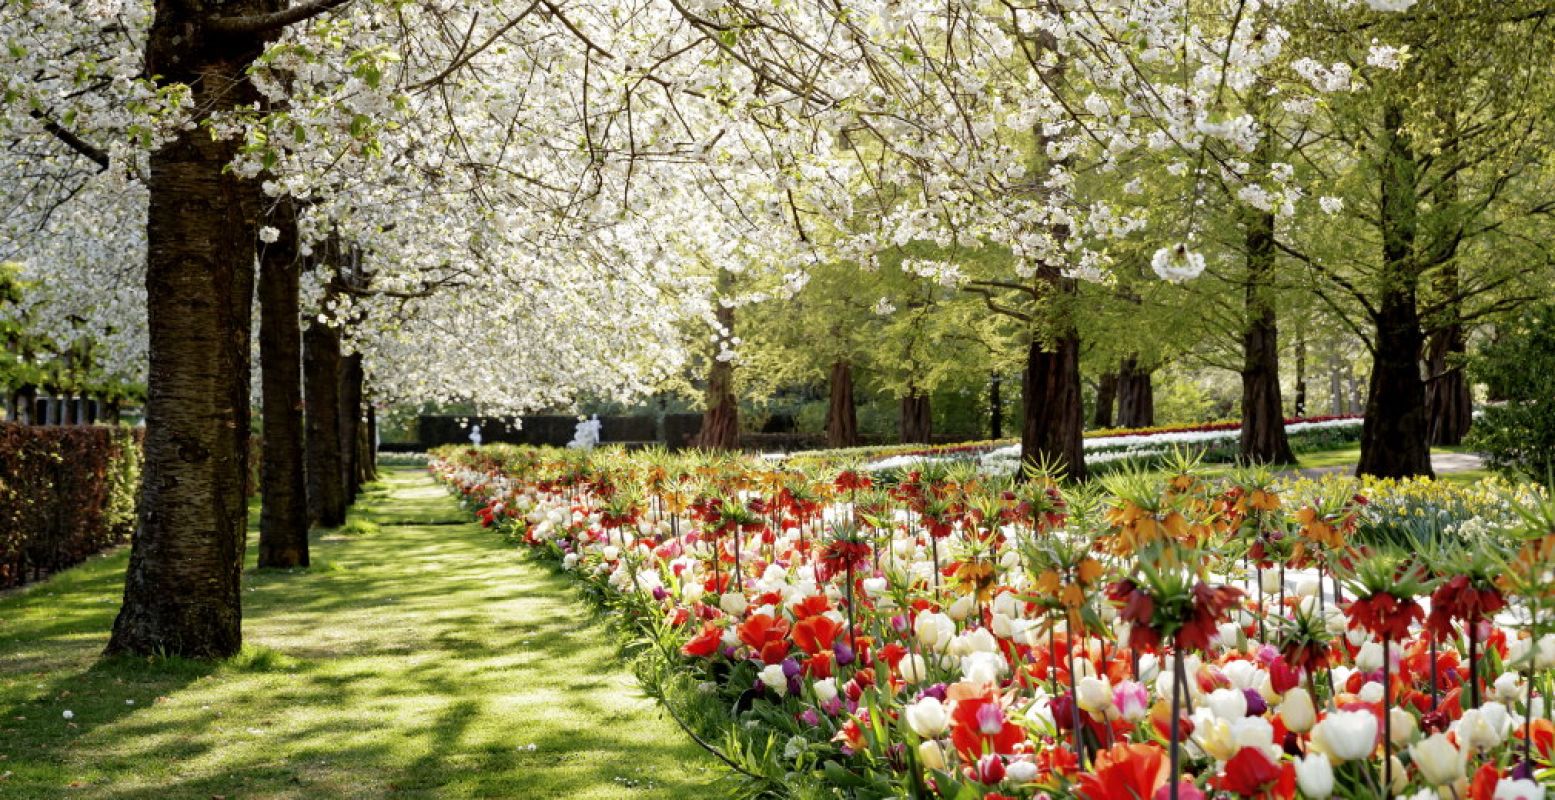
932, 755
1403, 726
1297, 710
1315, 776
1094, 695
1439, 760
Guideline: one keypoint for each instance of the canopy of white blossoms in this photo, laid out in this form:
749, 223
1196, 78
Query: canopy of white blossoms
516, 202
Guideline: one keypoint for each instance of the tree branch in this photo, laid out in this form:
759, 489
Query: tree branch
76, 143
274, 21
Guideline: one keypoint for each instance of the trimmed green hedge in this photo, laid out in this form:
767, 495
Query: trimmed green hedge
65, 494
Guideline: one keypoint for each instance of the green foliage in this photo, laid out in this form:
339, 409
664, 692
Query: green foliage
65, 494
1518, 435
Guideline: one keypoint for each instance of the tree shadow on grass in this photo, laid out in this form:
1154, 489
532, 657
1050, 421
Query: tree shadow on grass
424, 665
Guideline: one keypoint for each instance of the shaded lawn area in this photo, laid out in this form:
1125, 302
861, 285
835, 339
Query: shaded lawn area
1348, 457
419, 658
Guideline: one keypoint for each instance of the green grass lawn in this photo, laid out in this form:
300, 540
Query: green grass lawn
1347, 457
419, 658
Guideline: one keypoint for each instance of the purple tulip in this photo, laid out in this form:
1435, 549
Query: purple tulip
844, 653
1256, 705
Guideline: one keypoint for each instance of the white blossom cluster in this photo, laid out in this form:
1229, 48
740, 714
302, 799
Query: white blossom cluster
530, 201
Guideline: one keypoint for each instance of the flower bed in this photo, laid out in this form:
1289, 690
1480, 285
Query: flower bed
1170, 637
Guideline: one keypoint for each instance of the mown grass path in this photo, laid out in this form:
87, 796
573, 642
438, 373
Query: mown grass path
419, 658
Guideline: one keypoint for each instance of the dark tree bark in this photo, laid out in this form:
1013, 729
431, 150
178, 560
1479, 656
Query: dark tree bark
1263, 439
1448, 402
1136, 395
283, 515
1301, 376
841, 411
917, 419
721, 419
1394, 432
1053, 425
351, 425
995, 407
321, 398
370, 445
112, 411
182, 593
1106, 399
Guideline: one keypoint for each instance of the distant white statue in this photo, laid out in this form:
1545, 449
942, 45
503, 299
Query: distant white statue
586, 435
475, 435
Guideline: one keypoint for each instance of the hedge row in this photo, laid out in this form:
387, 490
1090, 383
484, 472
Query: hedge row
66, 492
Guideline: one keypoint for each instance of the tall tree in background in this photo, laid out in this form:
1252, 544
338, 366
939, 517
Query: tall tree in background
283, 515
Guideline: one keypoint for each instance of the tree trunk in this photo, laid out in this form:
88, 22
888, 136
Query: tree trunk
182, 592
283, 514
350, 425
1136, 395
113, 411
1106, 399
1263, 439
1448, 401
1053, 425
721, 419
370, 453
1394, 433
917, 419
841, 412
321, 397
1301, 376
995, 407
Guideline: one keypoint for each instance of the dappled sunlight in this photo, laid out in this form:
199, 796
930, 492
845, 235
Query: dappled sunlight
422, 662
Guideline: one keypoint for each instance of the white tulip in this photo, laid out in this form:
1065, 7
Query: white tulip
1439, 760
1346, 735
1315, 776
928, 717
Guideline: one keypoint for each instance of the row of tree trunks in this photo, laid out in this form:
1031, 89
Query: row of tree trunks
182, 592
841, 411
917, 418
283, 515
1136, 394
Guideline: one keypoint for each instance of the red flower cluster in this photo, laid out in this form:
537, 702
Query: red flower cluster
1208, 607
1384, 615
840, 554
1458, 600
